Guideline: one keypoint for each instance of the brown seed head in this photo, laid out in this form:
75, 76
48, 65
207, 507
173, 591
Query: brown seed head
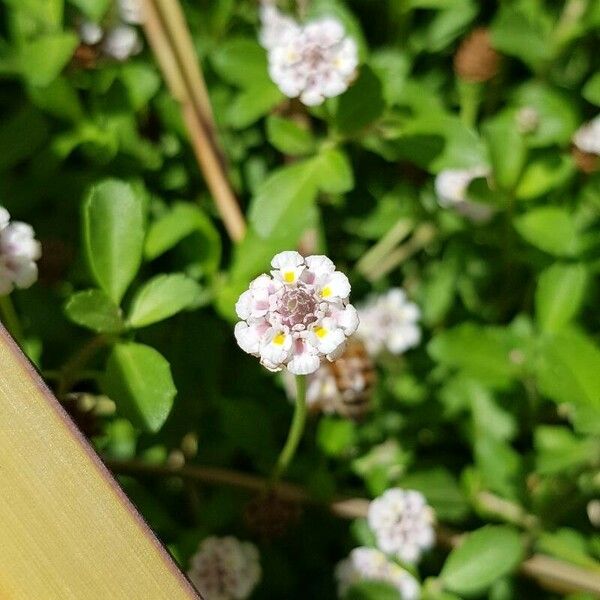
476, 60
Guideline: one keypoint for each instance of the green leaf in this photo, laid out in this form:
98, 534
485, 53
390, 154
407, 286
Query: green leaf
162, 297
556, 111
361, 105
138, 379
543, 174
482, 352
334, 172
113, 234
282, 198
524, 34
59, 99
92, 9
567, 544
42, 59
567, 370
141, 82
559, 295
241, 61
21, 134
289, 137
551, 229
442, 491
508, 151
183, 221
483, 557
372, 590
591, 90
252, 104
559, 450
448, 24
335, 436
95, 310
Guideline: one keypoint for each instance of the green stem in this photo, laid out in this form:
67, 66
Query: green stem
11, 320
470, 98
296, 430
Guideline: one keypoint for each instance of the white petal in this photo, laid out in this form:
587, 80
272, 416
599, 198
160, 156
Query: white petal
327, 337
248, 336
4, 218
303, 362
243, 307
319, 264
26, 274
275, 348
347, 319
334, 286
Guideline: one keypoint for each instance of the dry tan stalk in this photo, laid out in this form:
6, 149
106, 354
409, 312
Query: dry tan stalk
169, 39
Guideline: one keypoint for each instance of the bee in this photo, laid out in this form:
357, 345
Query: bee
355, 378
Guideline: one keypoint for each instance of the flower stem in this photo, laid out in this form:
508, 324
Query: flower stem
296, 430
470, 98
10, 318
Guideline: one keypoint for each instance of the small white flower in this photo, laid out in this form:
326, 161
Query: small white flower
389, 321
369, 564
402, 523
587, 137
298, 315
315, 61
225, 568
19, 251
90, 33
451, 188
528, 119
130, 11
121, 42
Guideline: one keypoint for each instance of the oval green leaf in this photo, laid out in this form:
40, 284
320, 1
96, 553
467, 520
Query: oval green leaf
95, 310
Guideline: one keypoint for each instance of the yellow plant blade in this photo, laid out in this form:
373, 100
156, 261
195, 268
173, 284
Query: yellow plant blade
67, 531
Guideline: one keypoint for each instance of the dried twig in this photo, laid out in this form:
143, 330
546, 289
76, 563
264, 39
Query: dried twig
169, 37
550, 573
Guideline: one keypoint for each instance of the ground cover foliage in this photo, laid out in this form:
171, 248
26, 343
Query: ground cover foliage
494, 416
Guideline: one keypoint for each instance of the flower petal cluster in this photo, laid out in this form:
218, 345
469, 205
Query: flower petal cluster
451, 187
119, 39
402, 522
313, 61
587, 137
19, 251
369, 564
389, 321
225, 568
297, 315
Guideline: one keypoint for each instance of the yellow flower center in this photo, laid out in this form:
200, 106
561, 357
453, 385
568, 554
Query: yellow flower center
320, 332
279, 339
326, 292
289, 276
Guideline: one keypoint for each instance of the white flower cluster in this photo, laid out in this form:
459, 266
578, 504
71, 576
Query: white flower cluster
587, 137
120, 40
402, 522
451, 187
389, 321
225, 568
18, 252
369, 564
314, 61
297, 315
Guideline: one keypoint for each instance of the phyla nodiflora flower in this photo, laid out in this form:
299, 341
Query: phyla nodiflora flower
296, 316
225, 568
313, 61
369, 564
402, 522
19, 251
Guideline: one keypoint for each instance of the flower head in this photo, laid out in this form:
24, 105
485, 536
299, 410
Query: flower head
225, 568
121, 42
297, 315
451, 187
19, 251
372, 565
130, 11
402, 522
389, 321
314, 61
587, 137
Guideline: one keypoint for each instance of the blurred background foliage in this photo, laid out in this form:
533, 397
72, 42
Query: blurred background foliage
502, 398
